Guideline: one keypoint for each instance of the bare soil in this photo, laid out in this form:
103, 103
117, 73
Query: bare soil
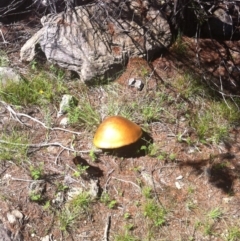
188, 186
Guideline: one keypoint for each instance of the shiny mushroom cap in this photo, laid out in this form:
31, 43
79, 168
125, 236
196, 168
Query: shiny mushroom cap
115, 132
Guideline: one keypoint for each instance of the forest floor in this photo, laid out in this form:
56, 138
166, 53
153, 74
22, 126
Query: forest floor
180, 183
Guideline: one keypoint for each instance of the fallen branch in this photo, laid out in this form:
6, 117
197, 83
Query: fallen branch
134, 184
16, 116
40, 145
107, 227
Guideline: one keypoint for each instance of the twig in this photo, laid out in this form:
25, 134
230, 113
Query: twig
108, 179
56, 159
16, 116
24, 180
40, 145
107, 227
134, 184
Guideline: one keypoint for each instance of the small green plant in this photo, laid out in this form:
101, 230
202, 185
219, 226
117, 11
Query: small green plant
61, 187
80, 170
155, 213
179, 47
35, 197
40, 90
151, 150
112, 204
213, 121
127, 215
233, 234
190, 205
74, 210
80, 203
36, 172
14, 146
215, 213
172, 156
47, 205
105, 198
4, 61
67, 219
92, 155
147, 192
208, 228
125, 237
84, 114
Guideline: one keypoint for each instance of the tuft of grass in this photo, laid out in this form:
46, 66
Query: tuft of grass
215, 213
149, 106
213, 121
67, 220
4, 61
147, 192
74, 210
80, 203
80, 170
155, 213
108, 201
36, 171
125, 237
40, 90
233, 234
179, 47
84, 114
13, 146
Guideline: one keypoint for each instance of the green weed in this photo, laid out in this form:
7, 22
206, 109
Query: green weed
147, 192
35, 197
80, 203
108, 201
13, 146
80, 170
233, 234
67, 219
125, 237
36, 171
215, 213
40, 90
213, 121
4, 61
84, 114
155, 213
74, 210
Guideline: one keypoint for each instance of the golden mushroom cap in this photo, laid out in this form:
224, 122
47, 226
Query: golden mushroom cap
115, 132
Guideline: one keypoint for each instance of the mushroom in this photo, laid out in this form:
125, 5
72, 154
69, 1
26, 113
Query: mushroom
115, 132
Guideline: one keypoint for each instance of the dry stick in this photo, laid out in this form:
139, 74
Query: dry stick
40, 145
16, 115
56, 159
134, 184
107, 227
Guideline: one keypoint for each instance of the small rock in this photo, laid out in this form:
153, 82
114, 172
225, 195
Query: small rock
47, 238
147, 178
59, 198
93, 188
179, 177
7, 74
227, 199
73, 192
178, 185
139, 84
131, 82
11, 218
66, 102
64, 121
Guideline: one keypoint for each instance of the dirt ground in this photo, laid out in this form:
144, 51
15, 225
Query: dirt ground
188, 185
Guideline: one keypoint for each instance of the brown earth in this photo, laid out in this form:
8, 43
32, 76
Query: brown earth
188, 185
